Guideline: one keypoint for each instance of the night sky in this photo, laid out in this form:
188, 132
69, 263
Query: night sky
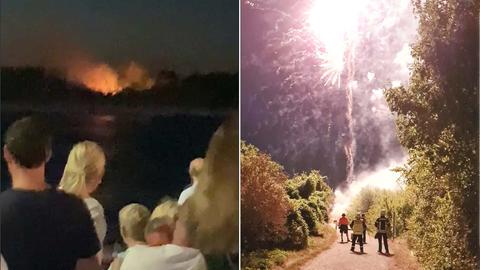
184, 35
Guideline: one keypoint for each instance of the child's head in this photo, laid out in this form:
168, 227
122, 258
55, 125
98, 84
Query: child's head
159, 231
167, 208
133, 219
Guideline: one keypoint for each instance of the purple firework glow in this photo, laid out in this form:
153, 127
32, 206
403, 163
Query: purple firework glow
313, 76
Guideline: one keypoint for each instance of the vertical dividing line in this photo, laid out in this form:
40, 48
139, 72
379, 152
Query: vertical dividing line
239, 132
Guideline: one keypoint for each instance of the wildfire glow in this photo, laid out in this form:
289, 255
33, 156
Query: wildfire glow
102, 78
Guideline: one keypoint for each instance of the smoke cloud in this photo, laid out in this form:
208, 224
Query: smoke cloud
383, 178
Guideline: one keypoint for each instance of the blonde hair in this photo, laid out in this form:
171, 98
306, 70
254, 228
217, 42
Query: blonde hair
164, 224
211, 213
167, 208
133, 219
85, 162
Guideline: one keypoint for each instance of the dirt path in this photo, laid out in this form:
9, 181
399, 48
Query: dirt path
339, 256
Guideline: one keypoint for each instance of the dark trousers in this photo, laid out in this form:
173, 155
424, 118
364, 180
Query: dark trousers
357, 238
385, 242
365, 236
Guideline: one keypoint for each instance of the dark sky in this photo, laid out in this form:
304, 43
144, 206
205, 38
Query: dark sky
185, 35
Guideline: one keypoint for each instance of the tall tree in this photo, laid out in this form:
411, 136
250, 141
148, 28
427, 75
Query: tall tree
437, 121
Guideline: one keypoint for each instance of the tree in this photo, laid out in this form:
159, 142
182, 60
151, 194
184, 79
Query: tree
437, 121
264, 200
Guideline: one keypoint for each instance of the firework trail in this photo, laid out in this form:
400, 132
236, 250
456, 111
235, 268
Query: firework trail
315, 76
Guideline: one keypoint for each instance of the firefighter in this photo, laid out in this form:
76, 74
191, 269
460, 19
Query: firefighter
343, 225
382, 224
357, 235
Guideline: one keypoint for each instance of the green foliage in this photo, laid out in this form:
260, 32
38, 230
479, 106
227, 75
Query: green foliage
264, 202
263, 259
265, 193
308, 214
372, 201
297, 230
445, 244
437, 121
312, 197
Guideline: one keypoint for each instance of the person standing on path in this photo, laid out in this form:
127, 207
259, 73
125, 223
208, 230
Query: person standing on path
357, 228
343, 225
382, 223
364, 220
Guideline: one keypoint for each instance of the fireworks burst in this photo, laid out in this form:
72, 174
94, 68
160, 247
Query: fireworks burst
312, 47
335, 27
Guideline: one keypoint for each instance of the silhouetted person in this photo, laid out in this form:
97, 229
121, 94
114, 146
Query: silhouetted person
364, 220
343, 225
382, 223
357, 228
41, 228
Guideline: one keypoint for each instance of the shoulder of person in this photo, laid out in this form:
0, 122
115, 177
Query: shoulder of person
70, 201
93, 204
62, 195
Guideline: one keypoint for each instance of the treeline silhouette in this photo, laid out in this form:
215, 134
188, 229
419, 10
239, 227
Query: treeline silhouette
38, 86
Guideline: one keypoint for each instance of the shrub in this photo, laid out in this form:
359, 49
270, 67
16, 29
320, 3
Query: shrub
263, 259
320, 205
264, 201
297, 230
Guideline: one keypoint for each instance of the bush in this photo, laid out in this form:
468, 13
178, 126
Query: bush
319, 204
297, 230
264, 201
263, 259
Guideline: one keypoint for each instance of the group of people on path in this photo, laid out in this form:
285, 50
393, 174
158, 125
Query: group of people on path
359, 231
64, 227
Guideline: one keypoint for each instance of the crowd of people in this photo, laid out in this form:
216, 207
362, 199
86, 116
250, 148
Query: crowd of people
359, 231
63, 227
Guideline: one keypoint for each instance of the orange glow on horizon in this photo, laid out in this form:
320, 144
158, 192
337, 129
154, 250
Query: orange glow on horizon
100, 77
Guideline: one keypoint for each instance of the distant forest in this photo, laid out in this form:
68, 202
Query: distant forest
37, 86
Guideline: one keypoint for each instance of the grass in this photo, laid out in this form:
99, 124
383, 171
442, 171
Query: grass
263, 259
289, 260
316, 244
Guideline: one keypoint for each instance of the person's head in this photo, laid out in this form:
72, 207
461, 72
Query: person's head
133, 219
343, 214
363, 215
84, 169
159, 231
195, 168
382, 213
357, 216
28, 144
211, 212
166, 208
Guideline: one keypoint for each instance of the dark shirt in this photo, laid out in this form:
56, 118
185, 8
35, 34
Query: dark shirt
45, 230
382, 224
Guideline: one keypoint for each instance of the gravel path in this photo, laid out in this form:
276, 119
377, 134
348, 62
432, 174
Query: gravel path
339, 256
